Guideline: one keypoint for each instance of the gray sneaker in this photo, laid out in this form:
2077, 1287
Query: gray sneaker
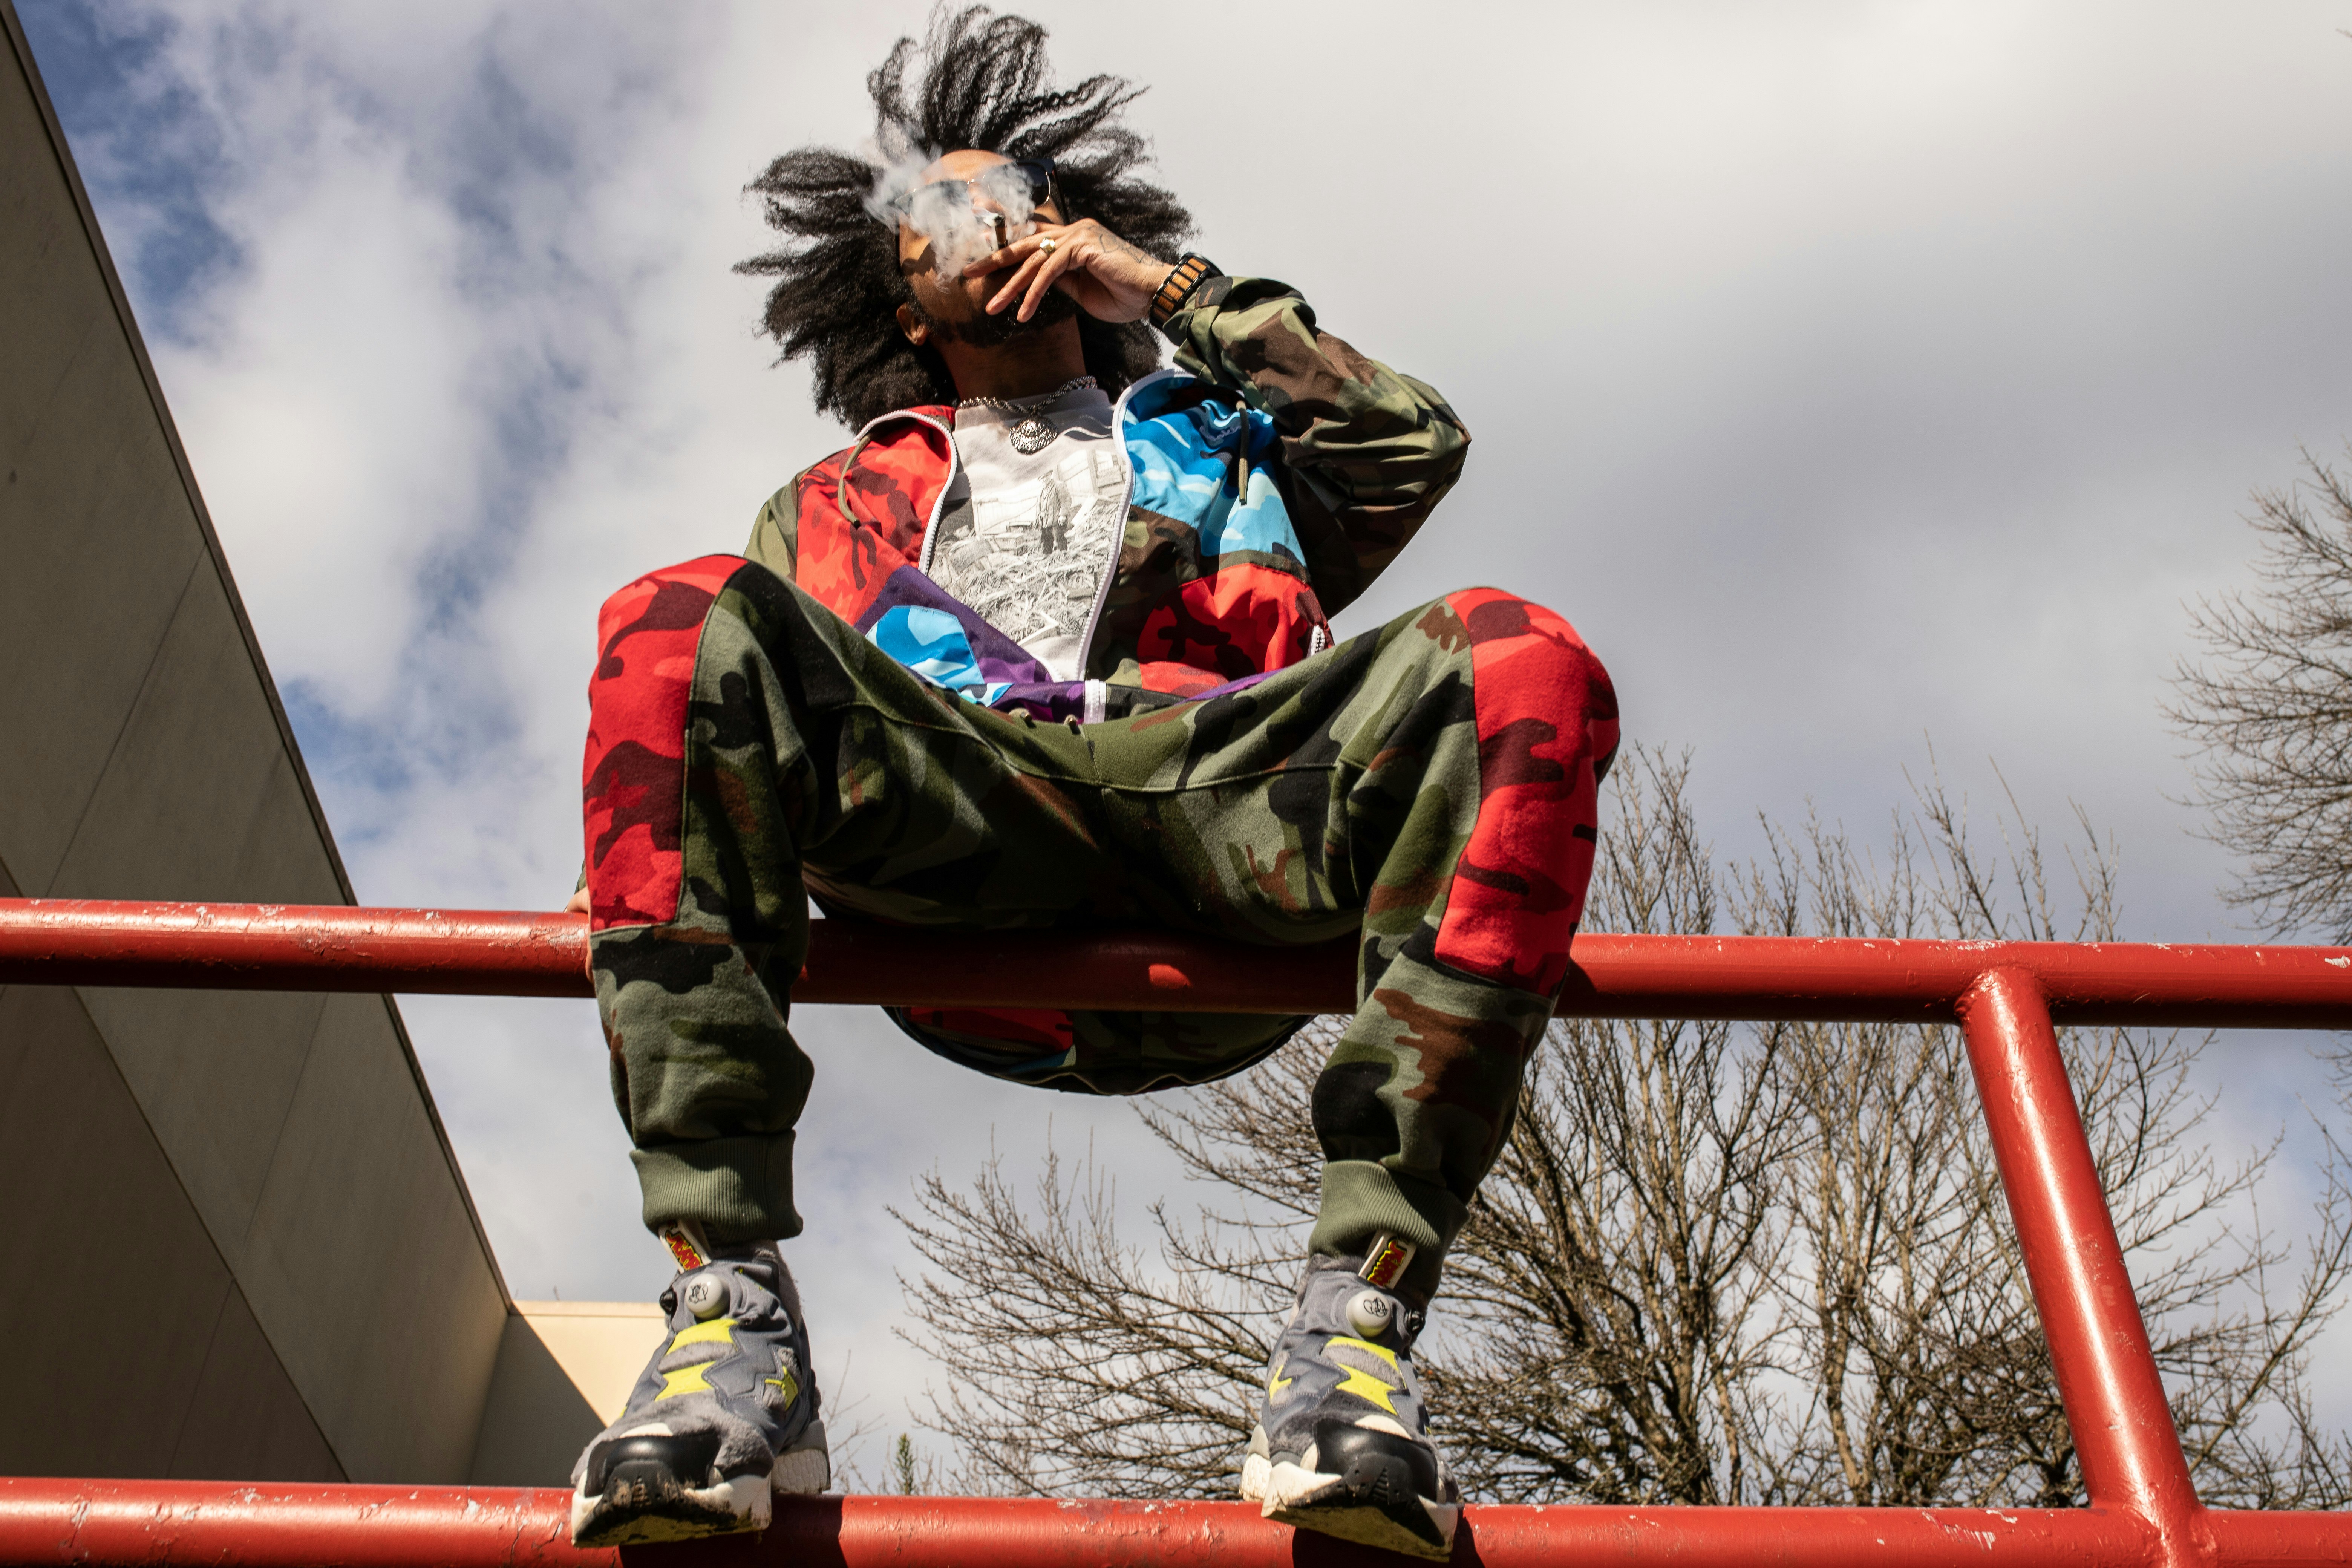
724, 1416
1342, 1443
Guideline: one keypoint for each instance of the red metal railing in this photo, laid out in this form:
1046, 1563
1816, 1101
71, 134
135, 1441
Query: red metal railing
278, 1526
2005, 995
501, 953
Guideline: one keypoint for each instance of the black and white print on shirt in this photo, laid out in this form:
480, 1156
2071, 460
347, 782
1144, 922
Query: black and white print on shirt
1026, 538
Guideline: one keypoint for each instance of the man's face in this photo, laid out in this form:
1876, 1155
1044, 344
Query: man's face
957, 305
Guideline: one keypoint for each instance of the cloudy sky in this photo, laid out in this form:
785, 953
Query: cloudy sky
1857, 377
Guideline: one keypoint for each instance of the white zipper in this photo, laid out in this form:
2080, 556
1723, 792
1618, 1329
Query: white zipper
939, 503
1119, 528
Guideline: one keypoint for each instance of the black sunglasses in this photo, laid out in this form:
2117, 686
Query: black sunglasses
1038, 171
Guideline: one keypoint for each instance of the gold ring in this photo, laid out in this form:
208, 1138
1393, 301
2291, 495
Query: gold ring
1046, 246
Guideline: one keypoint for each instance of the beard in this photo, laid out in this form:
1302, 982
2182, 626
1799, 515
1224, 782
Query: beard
987, 331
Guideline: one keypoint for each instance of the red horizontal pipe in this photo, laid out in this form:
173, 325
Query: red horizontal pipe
292, 947
2246, 1538
275, 1525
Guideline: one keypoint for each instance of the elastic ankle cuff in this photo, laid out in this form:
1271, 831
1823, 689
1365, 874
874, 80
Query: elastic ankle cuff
1361, 1198
737, 1189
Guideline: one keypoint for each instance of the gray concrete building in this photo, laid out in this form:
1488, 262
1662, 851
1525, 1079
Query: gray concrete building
238, 1243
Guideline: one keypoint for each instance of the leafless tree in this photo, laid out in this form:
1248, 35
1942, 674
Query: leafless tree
1716, 1263
1075, 1366
1613, 1303
2271, 710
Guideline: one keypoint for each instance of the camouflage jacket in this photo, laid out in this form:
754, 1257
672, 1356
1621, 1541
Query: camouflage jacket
1270, 478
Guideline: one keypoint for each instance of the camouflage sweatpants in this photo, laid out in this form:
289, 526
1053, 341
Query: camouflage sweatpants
1430, 785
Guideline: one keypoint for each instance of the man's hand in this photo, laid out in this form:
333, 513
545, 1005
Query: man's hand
1110, 279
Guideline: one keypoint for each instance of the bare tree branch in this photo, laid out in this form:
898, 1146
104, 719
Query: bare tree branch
2271, 710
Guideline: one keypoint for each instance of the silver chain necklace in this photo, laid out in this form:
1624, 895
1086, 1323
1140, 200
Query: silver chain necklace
1031, 433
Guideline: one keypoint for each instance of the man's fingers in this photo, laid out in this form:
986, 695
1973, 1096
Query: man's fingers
1058, 260
1009, 255
1010, 290
1012, 286
1020, 251
1064, 255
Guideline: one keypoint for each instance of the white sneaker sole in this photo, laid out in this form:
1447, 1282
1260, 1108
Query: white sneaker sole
1312, 1500
738, 1507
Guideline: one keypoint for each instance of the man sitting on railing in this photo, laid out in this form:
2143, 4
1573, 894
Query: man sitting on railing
1047, 646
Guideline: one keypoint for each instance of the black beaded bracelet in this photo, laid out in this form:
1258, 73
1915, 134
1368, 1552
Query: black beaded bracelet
1191, 273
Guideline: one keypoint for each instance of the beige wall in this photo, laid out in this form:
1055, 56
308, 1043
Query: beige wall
565, 1369
237, 1244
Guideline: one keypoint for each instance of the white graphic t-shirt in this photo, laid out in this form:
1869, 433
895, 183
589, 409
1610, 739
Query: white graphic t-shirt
1025, 537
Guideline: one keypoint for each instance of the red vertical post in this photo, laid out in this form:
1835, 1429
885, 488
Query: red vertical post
2099, 1348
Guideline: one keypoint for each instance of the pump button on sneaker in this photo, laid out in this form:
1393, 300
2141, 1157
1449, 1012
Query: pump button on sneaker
1369, 1313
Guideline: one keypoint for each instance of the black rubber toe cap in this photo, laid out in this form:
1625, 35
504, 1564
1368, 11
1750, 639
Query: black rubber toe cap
1377, 1468
663, 1466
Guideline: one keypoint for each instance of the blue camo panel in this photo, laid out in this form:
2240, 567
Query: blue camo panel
1210, 464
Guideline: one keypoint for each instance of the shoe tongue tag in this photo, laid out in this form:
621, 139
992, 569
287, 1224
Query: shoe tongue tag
1385, 1264
685, 1246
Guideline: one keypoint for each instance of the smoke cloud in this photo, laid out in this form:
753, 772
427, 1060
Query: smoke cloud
964, 220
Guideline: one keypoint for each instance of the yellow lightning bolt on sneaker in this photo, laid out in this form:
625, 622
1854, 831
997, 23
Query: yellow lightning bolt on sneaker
1364, 1381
